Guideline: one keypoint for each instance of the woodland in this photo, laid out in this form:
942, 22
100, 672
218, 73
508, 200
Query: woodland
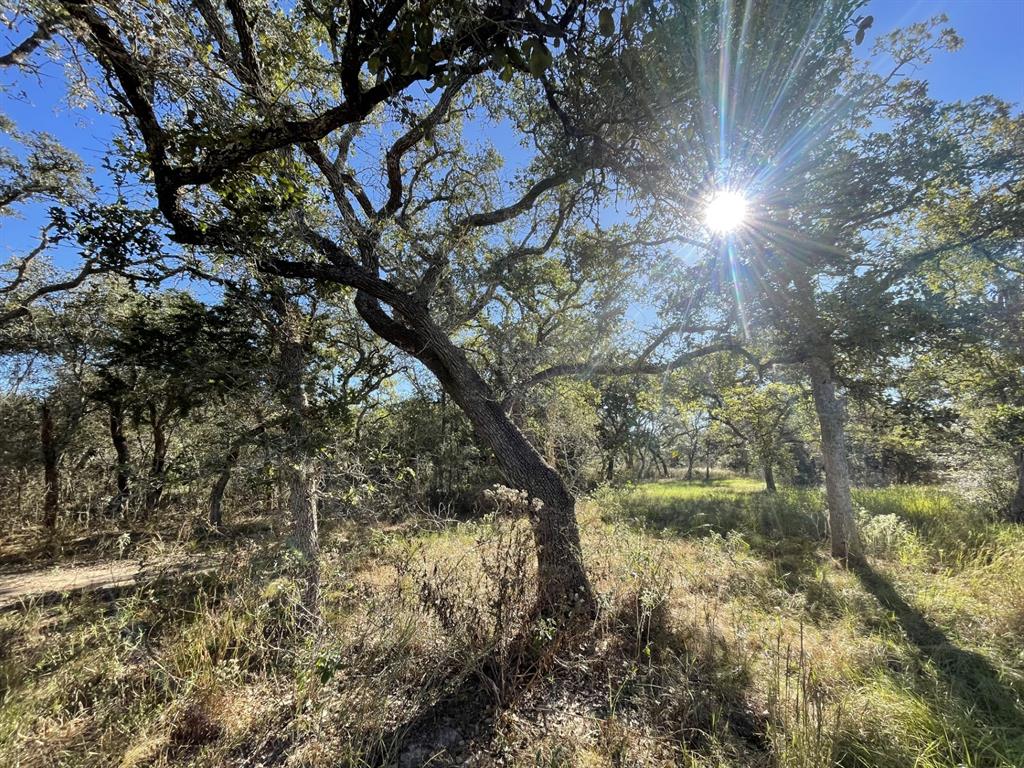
506, 383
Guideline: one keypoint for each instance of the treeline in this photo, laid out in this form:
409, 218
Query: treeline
156, 402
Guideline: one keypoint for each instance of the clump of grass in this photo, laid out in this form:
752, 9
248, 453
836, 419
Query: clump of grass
803, 721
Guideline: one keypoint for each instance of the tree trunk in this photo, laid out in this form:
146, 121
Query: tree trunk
117, 437
230, 460
301, 471
217, 493
610, 474
769, 478
1017, 505
562, 583
845, 539
158, 465
51, 479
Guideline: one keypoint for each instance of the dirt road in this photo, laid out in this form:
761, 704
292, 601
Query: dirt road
51, 583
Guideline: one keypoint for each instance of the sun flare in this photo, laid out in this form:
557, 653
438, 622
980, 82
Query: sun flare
726, 212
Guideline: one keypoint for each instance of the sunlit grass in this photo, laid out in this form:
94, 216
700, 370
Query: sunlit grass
726, 637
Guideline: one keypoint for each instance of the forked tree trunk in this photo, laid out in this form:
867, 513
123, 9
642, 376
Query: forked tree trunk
217, 492
227, 467
845, 539
301, 469
158, 465
120, 442
51, 478
769, 478
562, 583
1017, 505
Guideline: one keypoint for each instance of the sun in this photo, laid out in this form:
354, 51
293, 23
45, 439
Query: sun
726, 212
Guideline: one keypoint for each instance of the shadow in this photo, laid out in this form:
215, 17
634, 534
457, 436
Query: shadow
440, 734
787, 514
785, 529
704, 685
968, 676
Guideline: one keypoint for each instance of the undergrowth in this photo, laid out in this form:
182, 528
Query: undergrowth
724, 636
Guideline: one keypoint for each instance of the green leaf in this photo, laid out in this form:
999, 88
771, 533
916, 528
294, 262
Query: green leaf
540, 59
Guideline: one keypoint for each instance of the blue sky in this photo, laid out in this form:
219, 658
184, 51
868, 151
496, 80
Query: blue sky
991, 61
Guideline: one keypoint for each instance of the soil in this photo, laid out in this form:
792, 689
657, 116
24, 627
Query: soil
48, 584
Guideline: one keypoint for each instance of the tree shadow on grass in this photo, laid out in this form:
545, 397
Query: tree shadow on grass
787, 514
440, 733
784, 529
969, 676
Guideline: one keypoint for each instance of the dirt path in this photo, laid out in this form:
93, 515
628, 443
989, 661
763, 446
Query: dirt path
50, 583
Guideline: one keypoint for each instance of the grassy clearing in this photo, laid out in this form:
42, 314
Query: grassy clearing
726, 637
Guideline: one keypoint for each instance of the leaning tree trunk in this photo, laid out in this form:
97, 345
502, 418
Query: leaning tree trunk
845, 539
562, 583
769, 478
302, 473
51, 479
120, 442
661, 460
1017, 505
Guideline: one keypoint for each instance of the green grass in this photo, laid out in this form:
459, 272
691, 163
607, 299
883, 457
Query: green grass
726, 637
923, 652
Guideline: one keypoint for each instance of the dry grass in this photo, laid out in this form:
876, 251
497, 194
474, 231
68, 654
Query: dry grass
725, 637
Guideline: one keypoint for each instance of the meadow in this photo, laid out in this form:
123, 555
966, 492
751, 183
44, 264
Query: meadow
725, 636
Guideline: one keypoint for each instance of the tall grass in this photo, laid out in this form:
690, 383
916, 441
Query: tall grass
725, 636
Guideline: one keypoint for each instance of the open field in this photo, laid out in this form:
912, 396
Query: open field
725, 637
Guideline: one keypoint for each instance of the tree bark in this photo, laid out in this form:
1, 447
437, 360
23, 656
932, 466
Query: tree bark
158, 465
217, 492
562, 583
230, 460
301, 471
845, 539
1017, 505
769, 478
120, 443
51, 478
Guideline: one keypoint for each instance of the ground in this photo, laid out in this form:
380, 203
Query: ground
725, 637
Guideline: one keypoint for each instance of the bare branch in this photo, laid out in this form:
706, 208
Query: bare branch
17, 55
